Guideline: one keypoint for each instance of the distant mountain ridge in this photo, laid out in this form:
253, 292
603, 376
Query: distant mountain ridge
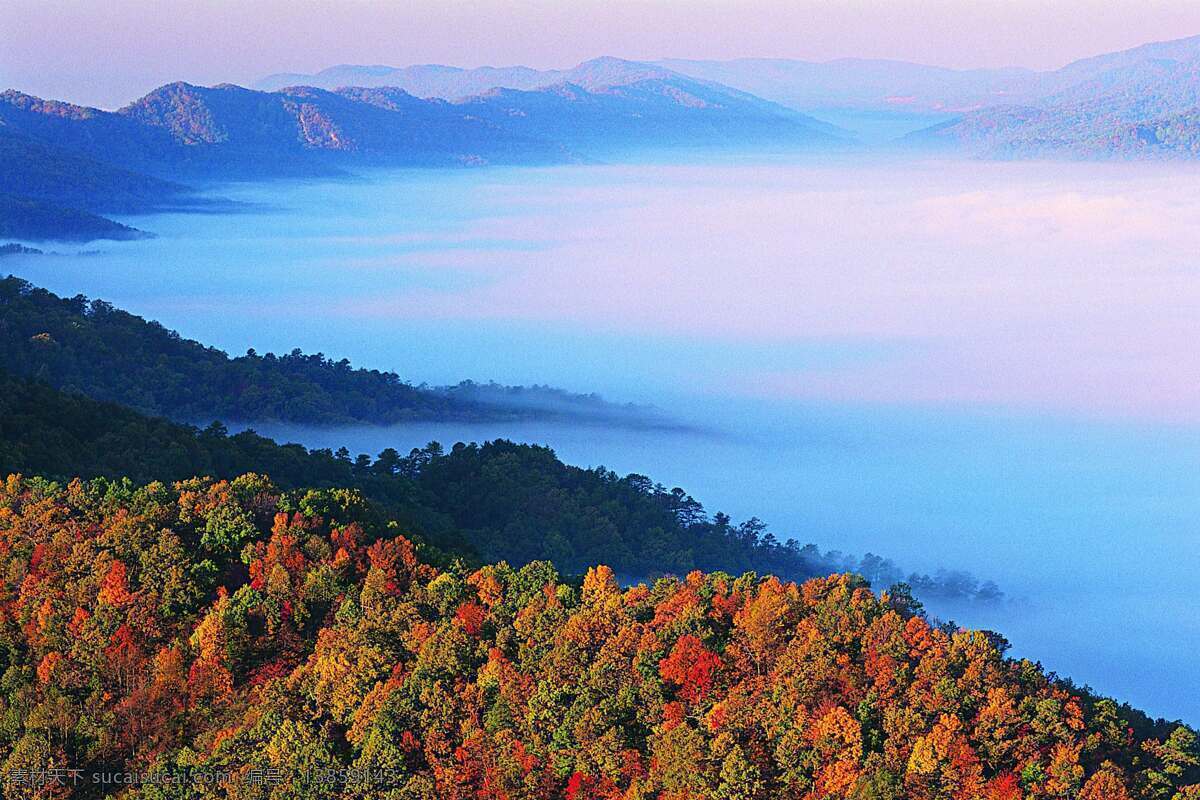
229, 128
1142, 102
457, 83
860, 83
603, 108
421, 80
234, 127
64, 165
881, 83
1138, 103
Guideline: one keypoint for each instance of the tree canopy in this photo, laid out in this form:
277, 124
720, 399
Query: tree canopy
215, 638
493, 501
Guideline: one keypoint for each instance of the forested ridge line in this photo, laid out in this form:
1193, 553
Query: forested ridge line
93, 348
491, 501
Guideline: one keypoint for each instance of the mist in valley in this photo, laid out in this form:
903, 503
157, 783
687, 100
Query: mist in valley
961, 365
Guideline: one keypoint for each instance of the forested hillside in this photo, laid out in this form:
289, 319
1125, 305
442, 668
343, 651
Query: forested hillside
494, 501
229, 639
97, 350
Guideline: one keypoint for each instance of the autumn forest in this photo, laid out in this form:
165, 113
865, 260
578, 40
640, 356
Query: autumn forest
229, 639
734, 400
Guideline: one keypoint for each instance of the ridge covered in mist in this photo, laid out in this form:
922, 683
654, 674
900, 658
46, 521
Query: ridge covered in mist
498, 500
1136, 103
108, 354
1139, 102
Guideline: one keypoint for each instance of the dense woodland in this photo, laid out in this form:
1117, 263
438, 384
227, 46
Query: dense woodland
230, 639
90, 347
487, 502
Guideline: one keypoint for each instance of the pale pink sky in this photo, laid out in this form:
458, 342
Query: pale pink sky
106, 52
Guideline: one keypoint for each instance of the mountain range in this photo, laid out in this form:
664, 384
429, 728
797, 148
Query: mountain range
74, 161
64, 166
874, 84
801, 85
1143, 102
1140, 102
456, 83
606, 105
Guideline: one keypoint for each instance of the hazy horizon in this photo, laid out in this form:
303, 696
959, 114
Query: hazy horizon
107, 54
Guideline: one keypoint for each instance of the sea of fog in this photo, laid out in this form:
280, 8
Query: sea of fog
968, 365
